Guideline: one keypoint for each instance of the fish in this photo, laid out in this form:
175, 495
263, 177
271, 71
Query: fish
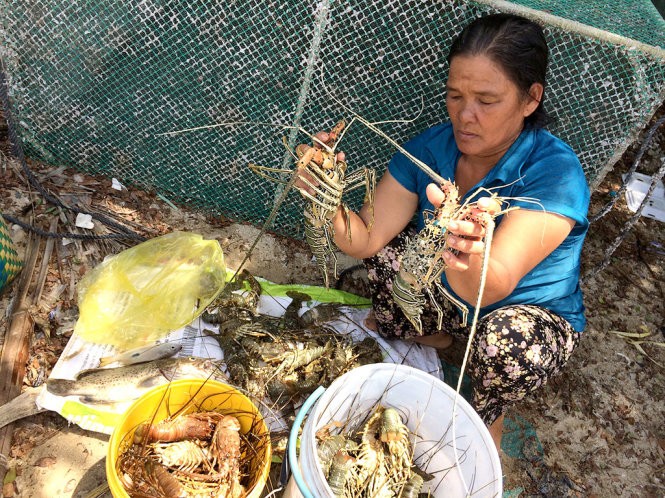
141, 355
112, 386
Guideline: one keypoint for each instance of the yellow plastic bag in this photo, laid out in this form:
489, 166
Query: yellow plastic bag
143, 293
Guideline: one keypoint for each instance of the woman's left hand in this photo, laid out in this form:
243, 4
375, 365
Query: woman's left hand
524, 238
465, 236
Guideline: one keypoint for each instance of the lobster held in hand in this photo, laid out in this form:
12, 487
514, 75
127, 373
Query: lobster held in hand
424, 261
322, 174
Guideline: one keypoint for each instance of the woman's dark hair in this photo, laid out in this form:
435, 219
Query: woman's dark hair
516, 44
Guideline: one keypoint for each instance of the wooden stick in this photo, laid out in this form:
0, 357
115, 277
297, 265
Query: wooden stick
23, 405
46, 257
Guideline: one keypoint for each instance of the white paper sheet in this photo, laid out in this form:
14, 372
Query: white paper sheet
79, 355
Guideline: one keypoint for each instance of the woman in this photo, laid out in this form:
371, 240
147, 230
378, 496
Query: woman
532, 311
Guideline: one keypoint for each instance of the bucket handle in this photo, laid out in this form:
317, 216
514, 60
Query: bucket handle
293, 436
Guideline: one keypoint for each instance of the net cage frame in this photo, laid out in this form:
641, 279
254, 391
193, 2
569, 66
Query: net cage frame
96, 85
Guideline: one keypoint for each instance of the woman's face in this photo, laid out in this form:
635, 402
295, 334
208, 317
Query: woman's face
487, 109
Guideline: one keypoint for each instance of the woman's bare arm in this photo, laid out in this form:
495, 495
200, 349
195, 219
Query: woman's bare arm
394, 206
523, 239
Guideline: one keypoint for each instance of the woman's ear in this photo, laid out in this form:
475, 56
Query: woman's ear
535, 96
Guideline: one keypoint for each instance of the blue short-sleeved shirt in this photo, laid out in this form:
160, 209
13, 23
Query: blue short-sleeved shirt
538, 166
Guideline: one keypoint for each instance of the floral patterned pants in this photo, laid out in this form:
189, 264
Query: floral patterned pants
515, 349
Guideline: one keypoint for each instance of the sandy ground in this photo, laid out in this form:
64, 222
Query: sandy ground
600, 423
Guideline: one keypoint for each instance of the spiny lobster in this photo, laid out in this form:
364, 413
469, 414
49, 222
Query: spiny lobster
422, 262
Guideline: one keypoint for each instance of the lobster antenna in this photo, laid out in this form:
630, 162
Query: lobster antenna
472, 333
372, 126
288, 184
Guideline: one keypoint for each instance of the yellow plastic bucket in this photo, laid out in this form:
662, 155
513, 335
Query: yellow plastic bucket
207, 395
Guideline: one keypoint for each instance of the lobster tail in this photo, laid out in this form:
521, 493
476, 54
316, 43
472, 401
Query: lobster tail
410, 301
321, 243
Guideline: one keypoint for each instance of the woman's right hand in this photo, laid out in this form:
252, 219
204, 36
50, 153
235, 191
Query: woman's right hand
308, 154
465, 237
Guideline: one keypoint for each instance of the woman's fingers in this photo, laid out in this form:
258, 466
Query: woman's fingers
305, 181
489, 204
321, 138
469, 229
459, 262
466, 245
435, 195
465, 236
308, 154
316, 155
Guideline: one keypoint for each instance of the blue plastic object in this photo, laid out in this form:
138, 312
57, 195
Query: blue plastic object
293, 440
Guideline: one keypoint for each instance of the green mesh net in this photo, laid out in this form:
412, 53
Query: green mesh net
95, 85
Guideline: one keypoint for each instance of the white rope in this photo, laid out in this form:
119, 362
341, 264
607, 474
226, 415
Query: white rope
320, 25
322, 18
575, 27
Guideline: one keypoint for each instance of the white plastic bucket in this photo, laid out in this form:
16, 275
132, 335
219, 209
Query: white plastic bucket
427, 405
